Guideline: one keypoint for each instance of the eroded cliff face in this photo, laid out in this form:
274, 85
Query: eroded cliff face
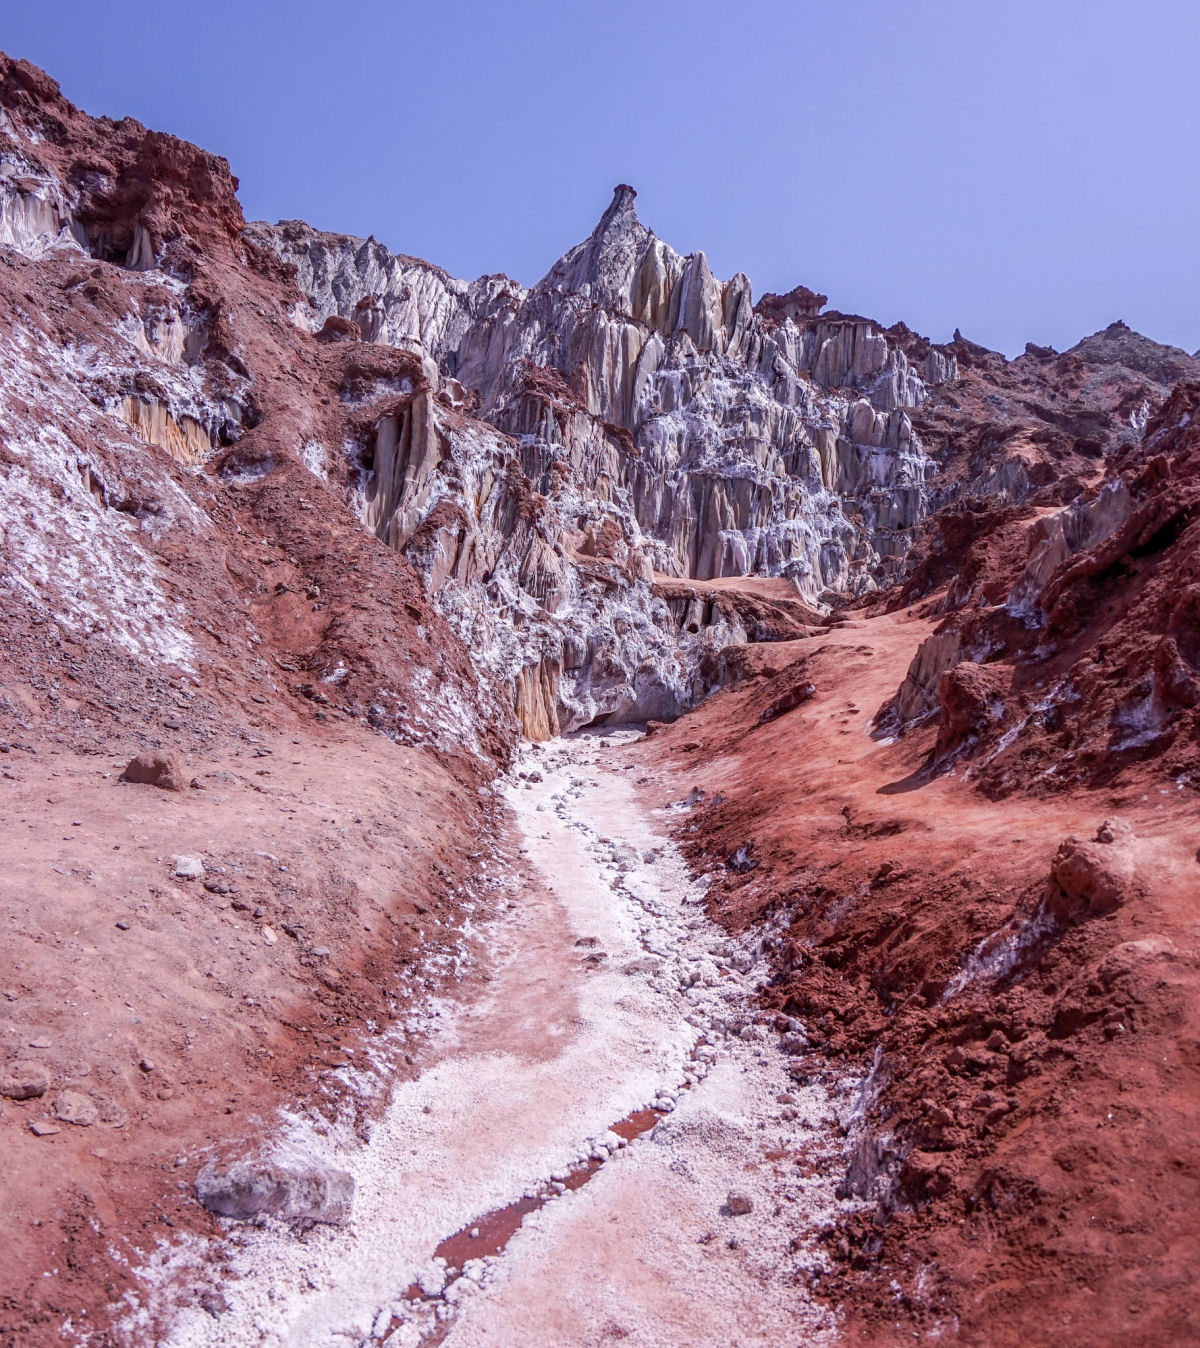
548, 459
172, 486
628, 416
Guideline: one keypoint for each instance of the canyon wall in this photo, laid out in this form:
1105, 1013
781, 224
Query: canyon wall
628, 417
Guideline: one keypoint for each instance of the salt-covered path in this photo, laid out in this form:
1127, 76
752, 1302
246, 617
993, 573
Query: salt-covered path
610, 993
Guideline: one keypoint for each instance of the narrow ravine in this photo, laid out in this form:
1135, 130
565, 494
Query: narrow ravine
605, 1145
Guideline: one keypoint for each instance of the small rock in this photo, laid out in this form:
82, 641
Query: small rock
925, 1175
122, 925
268, 935
647, 964
1090, 879
161, 770
739, 1204
146, 1065
706, 972
249, 1189
741, 862
41, 1042
212, 1302
40, 1128
1114, 830
111, 1113
188, 868
24, 1080
216, 886
75, 1107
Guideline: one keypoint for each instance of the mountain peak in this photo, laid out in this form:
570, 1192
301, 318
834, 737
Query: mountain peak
601, 267
621, 211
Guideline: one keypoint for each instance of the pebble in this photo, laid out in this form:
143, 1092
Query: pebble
39, 1128
75, 1107
24, 1081
739, 1204
188, 868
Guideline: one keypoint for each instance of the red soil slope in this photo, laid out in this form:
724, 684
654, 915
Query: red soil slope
238, 617
1028, 1154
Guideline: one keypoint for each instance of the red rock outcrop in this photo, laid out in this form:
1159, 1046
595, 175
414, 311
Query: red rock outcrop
1086, 640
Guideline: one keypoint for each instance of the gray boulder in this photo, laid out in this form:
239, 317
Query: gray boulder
248, 1189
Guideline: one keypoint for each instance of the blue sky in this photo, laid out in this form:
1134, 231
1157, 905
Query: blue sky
1023, 171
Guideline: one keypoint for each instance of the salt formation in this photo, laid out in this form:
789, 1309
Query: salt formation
628, 419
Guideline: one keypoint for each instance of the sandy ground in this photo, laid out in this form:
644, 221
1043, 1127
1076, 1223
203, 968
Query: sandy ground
606, 992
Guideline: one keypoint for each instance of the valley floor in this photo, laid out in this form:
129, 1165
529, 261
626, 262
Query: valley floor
611, 1081
682, 1044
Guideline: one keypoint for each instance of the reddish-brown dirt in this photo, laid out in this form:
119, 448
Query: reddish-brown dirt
1031, 1163
189, 1010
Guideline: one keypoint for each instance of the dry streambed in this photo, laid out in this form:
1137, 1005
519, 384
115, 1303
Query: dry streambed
604, 1145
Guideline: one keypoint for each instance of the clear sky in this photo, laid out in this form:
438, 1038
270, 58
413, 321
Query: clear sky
1021, 169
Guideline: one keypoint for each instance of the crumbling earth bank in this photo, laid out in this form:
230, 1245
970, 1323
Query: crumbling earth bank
1022, 977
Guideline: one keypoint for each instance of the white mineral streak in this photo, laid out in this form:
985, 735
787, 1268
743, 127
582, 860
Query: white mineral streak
35, 215
646, 420
66, 549
605, 978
